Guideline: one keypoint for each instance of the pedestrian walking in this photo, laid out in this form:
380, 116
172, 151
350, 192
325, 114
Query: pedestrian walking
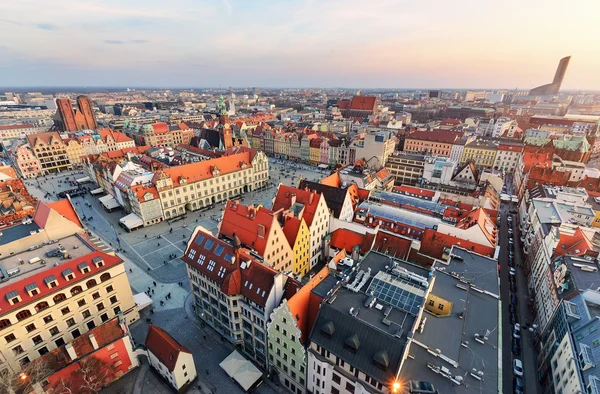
154, 283
158, 243
205, 337
152, 291
130, 270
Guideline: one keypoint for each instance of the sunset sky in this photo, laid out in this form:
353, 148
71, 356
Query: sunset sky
294, 43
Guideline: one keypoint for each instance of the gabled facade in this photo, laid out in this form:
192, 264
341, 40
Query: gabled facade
313, 209
298, 235
258, 229
50, 151
288, 331
173, 361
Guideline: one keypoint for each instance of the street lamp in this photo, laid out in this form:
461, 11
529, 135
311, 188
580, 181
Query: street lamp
396, 386
23, 376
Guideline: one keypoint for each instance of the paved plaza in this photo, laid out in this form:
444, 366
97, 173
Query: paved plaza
152, 257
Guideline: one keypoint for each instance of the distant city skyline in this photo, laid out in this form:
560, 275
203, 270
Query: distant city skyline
310, 43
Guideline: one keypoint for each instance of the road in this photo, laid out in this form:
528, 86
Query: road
524, 315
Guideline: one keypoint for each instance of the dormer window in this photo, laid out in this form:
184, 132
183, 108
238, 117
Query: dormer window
51, 281
98, 261
68, 274
32, 289
13, 297
84, 268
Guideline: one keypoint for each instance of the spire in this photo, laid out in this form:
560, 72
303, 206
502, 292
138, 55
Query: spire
222, 108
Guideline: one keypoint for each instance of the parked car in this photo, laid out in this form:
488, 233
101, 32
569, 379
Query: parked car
517, 367
512, 271
513, 299
516, 347
513, 318
513, 211
517, 331
519, 385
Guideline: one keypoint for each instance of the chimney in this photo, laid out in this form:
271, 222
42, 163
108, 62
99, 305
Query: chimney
71, 351
293, 199
311, 198
93, 341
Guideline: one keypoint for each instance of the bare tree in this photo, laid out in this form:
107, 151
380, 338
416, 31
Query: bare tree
24, 380
89, 376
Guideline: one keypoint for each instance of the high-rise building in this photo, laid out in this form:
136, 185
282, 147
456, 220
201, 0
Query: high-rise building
554, 87
73, 119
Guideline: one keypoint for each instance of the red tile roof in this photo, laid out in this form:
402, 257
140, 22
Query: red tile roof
433, 244
65, 208
573, 245
299, 304
164, 346
332, 180
291, 228
392, 244
346, 239
418, 192
310, 200
160, 128
246, 223
445, 137
204, 169
44, 291
478, 217
236, 271
16, 126
363, 103
104, 334
44, 137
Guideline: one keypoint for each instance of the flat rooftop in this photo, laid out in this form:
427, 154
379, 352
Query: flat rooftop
472, 312
19, 231
399, 215
74, 245
379, 322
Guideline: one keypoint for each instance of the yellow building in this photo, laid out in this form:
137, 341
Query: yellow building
298, 235
482, 153
596, 222
314, 157
74, 150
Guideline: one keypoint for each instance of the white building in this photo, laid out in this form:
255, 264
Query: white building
170, 359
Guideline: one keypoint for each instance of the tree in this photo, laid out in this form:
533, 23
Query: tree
88, 376
24, 380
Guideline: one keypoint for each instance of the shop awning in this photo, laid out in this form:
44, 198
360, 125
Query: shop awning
84, 179
131, 221
97, 191
142, 300
109, 202
241, 370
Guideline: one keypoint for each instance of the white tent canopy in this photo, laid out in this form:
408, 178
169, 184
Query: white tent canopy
97, 191
131, 221
142, 300
84, 179
241, 370
109, 202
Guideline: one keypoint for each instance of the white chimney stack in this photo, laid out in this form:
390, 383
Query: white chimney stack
93, 341
71, 351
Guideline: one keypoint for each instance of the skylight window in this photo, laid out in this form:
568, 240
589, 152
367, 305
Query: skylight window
211, 265
219, 249
228, 257
209, 244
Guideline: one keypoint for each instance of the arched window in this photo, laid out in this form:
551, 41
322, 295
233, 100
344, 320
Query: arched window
24, 314
105, 276
59, 298
41, 306
76, 290
4, 323
90, 283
